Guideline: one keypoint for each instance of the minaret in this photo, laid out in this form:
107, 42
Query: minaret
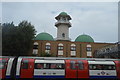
63, 26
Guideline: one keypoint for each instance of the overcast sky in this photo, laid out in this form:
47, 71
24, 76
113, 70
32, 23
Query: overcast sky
97, 19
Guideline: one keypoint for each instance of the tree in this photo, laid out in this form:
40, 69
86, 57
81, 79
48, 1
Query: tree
17, 40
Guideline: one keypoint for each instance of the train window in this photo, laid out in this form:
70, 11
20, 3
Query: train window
24, 64
109, 67
46, 65
57, 66
81, 65
72, 65
101, 67
49, 66
53, 66
42, 66
39, 66
3, 64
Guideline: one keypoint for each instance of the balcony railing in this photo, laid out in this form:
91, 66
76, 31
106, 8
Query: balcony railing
65, 22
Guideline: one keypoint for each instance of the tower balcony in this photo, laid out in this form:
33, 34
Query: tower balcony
63, 22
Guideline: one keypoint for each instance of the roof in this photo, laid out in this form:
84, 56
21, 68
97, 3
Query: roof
63, 14
44, 36
84, 38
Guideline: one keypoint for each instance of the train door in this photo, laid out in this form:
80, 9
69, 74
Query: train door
71, 69
118, 68
3, 67
83, 71
27, 68
77, 69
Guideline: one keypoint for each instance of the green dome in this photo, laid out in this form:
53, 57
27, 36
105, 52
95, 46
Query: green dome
84, 38
63, 13
44, 36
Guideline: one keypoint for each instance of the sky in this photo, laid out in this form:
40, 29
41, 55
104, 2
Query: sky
97, 19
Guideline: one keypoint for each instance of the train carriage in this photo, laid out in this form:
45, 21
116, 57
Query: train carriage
6, 67
102, 69
51, 67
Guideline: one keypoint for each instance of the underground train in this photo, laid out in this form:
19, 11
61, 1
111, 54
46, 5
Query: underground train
55, 67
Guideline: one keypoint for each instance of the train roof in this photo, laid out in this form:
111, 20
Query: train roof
62, 58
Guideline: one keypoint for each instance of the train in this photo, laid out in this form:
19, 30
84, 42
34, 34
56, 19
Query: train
58, 67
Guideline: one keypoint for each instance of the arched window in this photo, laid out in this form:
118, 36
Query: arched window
47, 46
73, 50
89, 48
88, 45
60, 49
63, 34
60, 46
35, 46
73, 47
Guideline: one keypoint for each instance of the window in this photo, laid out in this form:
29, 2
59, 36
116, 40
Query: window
63, 34
24, 64
81, 65
39, 66
60, 47
89, 49
57, 66
3, 64
101, 67
64, 19
72, 65
42, 66
73, 48
49, 66
47, 47
35, 47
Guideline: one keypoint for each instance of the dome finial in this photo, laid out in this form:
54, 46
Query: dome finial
83, 33
44, 30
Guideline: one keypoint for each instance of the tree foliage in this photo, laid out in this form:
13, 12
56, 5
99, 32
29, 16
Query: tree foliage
17, 40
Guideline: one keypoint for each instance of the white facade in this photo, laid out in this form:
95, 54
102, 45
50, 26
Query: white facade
63, 25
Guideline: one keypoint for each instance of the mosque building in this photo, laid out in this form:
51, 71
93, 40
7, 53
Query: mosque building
62, 46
